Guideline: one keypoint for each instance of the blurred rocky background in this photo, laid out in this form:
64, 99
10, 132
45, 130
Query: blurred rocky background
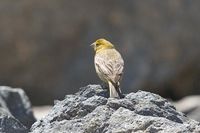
44, 45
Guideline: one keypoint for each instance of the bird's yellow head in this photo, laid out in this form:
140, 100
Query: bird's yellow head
101, 44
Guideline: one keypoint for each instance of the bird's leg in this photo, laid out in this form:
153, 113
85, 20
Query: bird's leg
117, 86
120, 93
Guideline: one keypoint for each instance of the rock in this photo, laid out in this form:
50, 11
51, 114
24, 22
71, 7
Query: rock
8, 124
194, 113
17, 104
50, 46
91, 111
189, 105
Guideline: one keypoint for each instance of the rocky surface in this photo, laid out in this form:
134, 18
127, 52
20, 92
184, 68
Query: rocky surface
9, 124
50, 40
90, 111
194, 113
16, 115
189, 105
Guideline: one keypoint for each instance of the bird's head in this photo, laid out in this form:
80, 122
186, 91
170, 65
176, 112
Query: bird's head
101, 44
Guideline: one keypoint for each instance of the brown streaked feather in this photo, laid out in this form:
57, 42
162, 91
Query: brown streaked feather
109, 65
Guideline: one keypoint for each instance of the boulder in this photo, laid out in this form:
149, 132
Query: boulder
189, 105
9, 124
16, 103
91, 111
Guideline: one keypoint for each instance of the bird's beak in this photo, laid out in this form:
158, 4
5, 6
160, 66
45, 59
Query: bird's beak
93, 44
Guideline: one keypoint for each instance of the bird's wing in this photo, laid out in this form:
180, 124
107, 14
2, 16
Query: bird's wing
118, 68
103, 66
111, 69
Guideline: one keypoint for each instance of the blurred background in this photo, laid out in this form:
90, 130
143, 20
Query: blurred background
44, 45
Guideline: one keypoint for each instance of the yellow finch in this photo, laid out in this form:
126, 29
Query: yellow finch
109, 65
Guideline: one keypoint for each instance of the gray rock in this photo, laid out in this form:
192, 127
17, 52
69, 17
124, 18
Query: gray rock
17, 104
194, 113
90, 111
8, 124
190, 105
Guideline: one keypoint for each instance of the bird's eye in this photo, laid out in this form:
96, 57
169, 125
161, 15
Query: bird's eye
97, 44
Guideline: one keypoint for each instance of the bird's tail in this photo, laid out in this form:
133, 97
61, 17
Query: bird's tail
114, 91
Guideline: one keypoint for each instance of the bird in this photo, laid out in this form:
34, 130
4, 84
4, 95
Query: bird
109, 66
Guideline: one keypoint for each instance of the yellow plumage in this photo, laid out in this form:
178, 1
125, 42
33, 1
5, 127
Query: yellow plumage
109, 65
